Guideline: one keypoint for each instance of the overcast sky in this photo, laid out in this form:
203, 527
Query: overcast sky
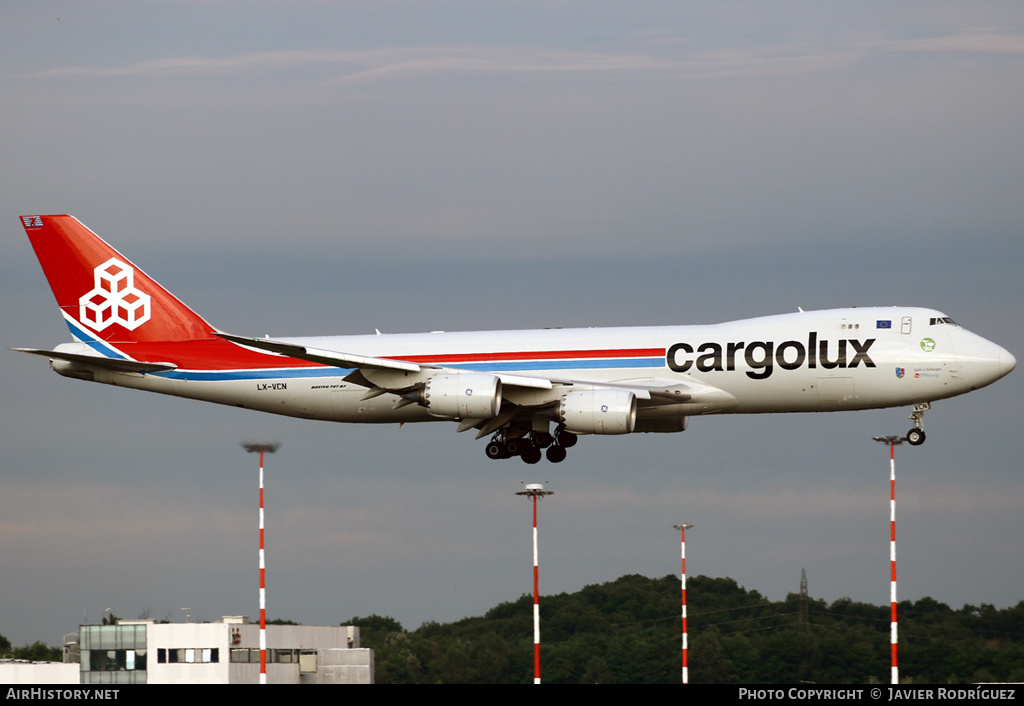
294, 168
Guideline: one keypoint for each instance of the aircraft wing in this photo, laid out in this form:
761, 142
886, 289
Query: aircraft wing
324, 357
652, 392
365, 364
517, 396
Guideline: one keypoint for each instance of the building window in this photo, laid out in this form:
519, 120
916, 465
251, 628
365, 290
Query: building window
190, 655
283, 656
244, 655
113, 654
117, 660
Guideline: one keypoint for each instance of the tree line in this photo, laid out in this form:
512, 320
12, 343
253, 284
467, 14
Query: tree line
629, 631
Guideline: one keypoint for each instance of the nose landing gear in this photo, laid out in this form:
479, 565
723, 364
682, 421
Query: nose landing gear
915, 437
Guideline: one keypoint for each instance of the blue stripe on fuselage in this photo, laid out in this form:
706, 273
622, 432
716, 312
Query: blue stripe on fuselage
261, 374
596, 364
90, 340
514, 366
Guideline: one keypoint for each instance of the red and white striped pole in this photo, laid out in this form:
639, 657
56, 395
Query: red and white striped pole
682, 541
892, 441
535, 491
892, 558
536, 601
263, 588
268, 448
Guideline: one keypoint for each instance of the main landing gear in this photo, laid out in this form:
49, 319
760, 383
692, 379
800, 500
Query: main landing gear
532, 446
915, 437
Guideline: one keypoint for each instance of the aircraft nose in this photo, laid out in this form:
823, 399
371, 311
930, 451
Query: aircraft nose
982, 361
990, 362
1006, 361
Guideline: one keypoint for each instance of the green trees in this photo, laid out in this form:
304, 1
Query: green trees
38, 651
628, 631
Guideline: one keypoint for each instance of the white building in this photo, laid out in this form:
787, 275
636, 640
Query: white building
224, 652
25, 671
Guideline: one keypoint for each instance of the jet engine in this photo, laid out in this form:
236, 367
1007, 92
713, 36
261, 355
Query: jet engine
462, 396
598, 412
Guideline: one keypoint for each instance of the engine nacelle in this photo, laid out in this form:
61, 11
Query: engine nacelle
462, 396
598, 412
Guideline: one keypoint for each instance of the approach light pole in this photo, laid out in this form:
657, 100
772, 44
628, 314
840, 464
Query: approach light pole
893, 442
535, 491
262, 448
682, 541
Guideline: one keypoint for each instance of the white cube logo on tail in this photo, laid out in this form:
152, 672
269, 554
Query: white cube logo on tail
114, 298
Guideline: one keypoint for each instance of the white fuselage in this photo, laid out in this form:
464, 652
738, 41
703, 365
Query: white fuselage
813, 361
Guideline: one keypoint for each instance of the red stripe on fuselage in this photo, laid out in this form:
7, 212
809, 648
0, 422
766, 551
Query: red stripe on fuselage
218, 354
209, 354
456, 358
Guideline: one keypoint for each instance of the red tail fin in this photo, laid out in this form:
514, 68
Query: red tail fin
102, 295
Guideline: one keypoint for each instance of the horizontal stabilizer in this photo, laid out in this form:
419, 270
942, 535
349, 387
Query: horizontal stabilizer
121, 365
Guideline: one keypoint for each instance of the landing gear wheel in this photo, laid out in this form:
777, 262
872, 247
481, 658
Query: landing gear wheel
566, 438
556, 454
513, 447
543, 439
496, 449
915, 437
530, 454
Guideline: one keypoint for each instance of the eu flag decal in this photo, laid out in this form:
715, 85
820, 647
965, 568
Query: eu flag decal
886, 323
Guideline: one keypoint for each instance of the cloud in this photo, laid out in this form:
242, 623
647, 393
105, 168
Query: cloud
400, 63
380, 63
976, 41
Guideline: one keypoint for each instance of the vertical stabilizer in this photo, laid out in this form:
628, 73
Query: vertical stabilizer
102, 295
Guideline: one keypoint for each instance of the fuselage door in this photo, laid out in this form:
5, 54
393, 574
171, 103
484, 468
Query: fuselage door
905, 328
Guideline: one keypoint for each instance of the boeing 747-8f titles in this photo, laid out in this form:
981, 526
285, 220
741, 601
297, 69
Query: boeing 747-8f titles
528, 390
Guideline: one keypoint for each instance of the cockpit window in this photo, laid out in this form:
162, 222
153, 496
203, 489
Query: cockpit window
942, 320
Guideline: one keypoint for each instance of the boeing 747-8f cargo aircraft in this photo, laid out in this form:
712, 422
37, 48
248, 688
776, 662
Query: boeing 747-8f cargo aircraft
509, 385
